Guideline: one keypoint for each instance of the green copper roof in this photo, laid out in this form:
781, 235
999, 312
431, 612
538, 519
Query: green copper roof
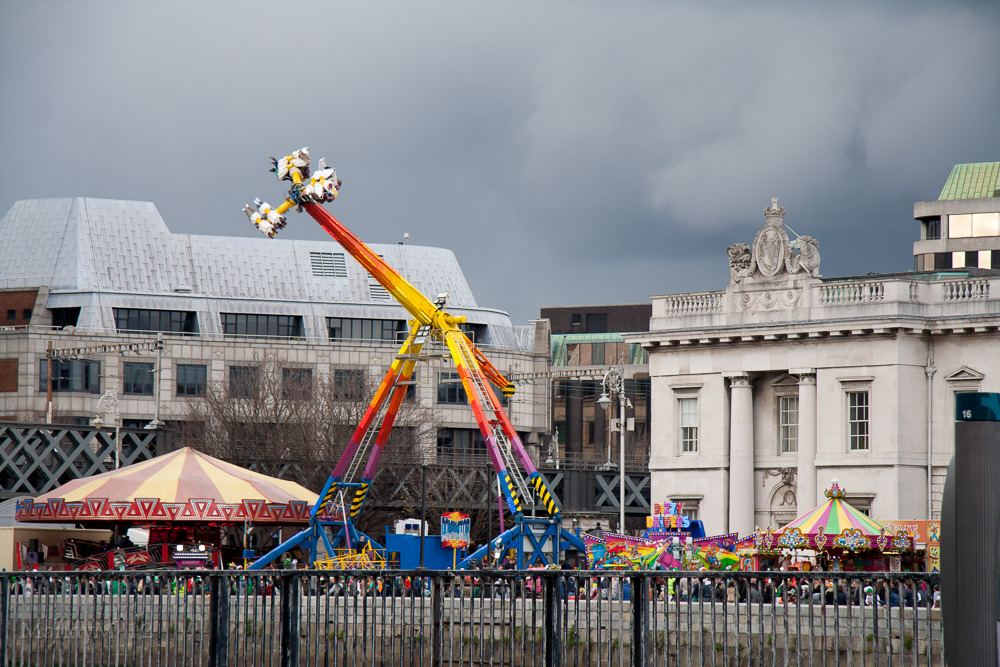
972, 181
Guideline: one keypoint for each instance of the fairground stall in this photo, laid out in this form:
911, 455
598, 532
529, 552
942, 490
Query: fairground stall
715, 553
671, 541
833, 536
926, 554
199, 512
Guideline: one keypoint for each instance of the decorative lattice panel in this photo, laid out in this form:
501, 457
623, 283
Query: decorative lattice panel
36, 458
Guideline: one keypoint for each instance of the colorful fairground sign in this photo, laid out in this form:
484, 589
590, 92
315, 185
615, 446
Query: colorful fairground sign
455, 530
671, 541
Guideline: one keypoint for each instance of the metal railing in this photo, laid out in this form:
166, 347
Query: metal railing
541, 617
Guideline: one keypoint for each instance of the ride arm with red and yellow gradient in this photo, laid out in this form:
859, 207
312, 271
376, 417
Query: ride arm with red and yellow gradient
506, 450
469, 360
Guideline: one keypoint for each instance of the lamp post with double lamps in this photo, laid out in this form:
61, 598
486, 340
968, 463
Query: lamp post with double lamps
614, 383
109, 403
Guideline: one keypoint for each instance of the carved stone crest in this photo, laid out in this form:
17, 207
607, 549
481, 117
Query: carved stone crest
771, 253
741, 262
807, 259
770, 246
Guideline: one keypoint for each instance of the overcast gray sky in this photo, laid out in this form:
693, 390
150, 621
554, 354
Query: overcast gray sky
568, 152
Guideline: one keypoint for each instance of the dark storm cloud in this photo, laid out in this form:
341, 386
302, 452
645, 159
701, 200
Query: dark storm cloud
568, 153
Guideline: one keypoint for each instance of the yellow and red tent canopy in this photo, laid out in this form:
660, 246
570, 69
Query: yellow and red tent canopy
183, 486
834, 524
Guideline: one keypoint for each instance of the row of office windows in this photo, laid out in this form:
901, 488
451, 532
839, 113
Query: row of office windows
347, 328
81, 375
599, 354
255, 325
163, 321
245, 382
964, 226
186, 322
251, 325
971, 225
350, 384
961, 259
857, 422
352, 328
84, 375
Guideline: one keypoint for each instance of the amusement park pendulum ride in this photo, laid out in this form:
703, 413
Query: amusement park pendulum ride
343, 496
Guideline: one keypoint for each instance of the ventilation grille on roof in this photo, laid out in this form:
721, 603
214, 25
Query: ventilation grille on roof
377, 292
328, 264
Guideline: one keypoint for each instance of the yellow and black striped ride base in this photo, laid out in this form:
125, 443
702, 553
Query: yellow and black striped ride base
327, 506
512, 490
545, 496
359, 499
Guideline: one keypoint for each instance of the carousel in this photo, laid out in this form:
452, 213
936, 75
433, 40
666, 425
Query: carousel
835, 535
198, 511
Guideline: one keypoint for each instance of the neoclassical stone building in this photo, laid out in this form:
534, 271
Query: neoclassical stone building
763, 392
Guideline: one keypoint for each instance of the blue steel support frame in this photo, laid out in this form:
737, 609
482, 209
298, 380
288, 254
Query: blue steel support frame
318, 530
542, 534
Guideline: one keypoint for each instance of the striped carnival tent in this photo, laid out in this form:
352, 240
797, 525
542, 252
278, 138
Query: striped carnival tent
184, 486
833, 525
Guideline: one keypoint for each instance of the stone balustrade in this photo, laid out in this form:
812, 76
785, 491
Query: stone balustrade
818, 300
695, 302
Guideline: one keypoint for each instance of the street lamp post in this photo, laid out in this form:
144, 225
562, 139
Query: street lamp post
157, 373
614, 383
109, 403
423, 511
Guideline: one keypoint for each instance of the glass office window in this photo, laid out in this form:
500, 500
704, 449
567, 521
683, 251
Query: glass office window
191, 379
137, 379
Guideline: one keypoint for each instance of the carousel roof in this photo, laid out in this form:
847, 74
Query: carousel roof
183, 486
834, 516
835, 524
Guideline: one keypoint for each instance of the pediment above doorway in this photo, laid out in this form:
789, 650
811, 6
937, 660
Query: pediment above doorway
964, 374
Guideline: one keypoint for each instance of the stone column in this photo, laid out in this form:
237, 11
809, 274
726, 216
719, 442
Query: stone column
741, 488
806, 491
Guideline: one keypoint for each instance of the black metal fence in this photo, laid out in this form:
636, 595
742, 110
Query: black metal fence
539, 617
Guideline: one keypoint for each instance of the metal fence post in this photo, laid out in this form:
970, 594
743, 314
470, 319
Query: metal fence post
218, 646
4, 602
552, 635
289, 620
640, 620
437, 616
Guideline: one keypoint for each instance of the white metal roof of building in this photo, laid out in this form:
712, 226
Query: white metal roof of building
101, 254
